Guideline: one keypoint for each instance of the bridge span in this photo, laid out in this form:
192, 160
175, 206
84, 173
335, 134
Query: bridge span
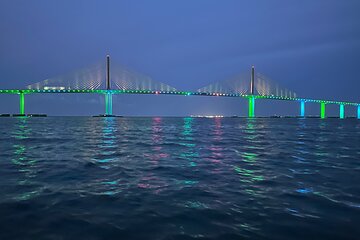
252, 87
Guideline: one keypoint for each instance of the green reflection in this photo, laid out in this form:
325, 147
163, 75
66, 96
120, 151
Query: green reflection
249, 169
26, 166
248, 175
21, 132
249, 157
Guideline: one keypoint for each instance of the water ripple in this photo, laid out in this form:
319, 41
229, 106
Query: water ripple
179, 178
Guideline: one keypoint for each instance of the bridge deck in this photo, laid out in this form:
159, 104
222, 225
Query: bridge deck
101, 91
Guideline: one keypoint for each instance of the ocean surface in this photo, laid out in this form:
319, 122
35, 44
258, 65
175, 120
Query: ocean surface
179, 178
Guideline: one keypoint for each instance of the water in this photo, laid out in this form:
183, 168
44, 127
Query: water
179, 178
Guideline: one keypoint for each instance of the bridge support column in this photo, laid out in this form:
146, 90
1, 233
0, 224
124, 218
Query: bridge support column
302, 109
108, 103
322, 110
251, 107
22, 103
342, 111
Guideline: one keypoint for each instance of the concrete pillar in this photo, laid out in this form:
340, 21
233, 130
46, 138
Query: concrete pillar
323, 110
251, 107
108, 104
302, 109
342, 111
22, 103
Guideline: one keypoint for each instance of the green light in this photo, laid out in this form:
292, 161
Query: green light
22, 103
251, 107
322, 110
342, 111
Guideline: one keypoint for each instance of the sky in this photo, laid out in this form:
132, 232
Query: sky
311, 47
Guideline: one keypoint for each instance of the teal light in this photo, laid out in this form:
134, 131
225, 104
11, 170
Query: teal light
251, 98
302, 108
342, 111
108, 103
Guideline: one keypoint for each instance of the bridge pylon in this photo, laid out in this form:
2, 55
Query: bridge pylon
108, 94
251, 98
341, 111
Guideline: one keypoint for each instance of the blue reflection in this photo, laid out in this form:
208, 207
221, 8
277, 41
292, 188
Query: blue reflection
304, 190
108, 141
248, 169
187, 141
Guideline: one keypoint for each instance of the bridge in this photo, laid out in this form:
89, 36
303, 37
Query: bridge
252, 87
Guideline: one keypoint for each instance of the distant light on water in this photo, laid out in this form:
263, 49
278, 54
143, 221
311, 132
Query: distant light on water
207, 116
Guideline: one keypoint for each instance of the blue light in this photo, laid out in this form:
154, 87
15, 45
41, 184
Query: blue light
304, 190
358, 112
302, 109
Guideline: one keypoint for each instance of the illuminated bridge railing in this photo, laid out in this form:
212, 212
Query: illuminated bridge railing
184, 93
124, 81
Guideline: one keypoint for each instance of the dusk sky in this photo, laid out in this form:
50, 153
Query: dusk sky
311, 47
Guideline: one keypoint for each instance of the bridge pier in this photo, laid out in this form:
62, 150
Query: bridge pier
251, 107
108, 104
302, 109
342, 111
22, 103
322, 110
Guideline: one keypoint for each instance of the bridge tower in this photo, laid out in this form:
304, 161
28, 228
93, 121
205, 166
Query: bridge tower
251, 98
108, 94
252, 82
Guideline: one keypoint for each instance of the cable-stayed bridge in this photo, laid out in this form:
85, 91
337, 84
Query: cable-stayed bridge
121, 80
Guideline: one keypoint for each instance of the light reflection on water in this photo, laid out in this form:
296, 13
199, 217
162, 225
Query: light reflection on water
107, 158
187, 140
157, 140
216, 149
108, 146
248, 170
159, 178
25, 165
